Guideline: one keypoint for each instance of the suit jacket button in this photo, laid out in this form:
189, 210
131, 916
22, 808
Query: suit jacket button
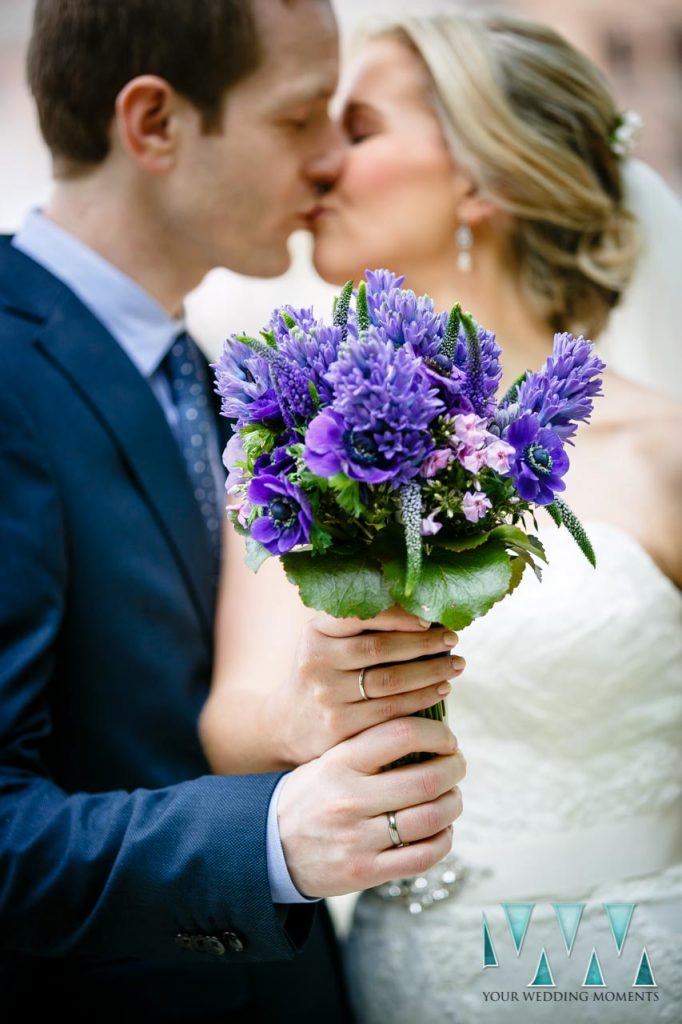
214, 945
234, 943
183, 941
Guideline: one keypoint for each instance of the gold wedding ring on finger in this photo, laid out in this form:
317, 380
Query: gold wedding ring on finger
393, 830
361, 684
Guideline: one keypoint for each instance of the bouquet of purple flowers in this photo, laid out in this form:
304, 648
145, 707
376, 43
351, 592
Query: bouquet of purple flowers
373, 455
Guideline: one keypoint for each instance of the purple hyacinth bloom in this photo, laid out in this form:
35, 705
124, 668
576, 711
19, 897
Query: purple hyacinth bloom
539, 460
482, 381
377, 427
244, 384
379, 282
406, 319
561, 392
314, 349
303, 318
286, 518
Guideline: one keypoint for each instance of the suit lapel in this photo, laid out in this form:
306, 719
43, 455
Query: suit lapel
124, 403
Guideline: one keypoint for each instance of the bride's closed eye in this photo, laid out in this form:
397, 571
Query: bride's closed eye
359, 123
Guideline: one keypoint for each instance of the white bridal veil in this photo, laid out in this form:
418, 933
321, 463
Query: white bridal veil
643, 338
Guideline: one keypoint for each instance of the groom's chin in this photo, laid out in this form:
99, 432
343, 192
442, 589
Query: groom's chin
267, 263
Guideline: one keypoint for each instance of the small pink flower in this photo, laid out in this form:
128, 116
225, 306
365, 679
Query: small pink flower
233, 453
243, 512
430, 525
471, 459
471, 429
497, 456
475, 505
436, 461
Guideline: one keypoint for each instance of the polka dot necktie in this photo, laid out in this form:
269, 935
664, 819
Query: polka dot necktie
196, 431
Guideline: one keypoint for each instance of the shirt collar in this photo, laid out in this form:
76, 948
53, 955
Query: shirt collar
141, 326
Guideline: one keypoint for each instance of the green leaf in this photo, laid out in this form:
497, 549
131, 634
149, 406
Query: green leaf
320, 539
519, 540
455, 587
288, 318
314, 394
518, 566
269, 338
460, 543
256, 554
344, 587
512, 394
232, 515
347, 494
257, 440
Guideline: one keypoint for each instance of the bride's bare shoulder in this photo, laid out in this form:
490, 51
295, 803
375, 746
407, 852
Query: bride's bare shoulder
637, 403
652, 423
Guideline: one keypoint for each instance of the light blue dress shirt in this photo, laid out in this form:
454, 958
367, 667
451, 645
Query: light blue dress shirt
145, 332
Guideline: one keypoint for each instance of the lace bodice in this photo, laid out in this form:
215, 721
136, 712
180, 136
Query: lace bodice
570, 716
570, 708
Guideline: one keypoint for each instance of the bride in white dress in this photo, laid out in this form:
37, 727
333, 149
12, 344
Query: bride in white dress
483, 168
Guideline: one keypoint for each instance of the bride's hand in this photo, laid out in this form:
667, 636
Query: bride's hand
285, 684
321, 703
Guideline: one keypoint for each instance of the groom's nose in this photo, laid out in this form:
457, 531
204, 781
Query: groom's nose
324, 167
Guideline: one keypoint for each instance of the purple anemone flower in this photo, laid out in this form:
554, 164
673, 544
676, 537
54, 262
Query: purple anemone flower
245, 386
539, 460
286, 518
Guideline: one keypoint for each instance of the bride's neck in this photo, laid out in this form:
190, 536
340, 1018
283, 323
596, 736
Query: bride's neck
494, 296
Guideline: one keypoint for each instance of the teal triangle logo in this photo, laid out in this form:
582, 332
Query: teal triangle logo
489, 955
619, 915
518, 918
594, 977
568, 916
543, 974
645, 976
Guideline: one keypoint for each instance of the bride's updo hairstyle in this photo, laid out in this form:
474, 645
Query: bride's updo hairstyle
530, 119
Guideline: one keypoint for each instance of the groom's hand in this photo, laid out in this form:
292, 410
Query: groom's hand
321, 703
333, 812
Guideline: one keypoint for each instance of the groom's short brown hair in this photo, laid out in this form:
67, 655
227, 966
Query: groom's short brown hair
82, 53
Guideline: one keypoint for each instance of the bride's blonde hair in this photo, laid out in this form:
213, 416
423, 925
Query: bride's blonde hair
530, 119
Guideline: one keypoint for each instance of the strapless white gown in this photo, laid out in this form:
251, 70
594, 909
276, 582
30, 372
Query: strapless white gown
570, 716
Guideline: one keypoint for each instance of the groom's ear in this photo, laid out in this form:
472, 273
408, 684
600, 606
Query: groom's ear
147, 120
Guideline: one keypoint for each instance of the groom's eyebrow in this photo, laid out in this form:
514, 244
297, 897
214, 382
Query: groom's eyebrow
320, 93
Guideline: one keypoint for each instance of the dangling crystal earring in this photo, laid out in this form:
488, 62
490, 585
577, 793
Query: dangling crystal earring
465, 241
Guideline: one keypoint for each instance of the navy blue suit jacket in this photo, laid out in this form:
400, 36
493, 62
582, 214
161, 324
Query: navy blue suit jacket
115, 838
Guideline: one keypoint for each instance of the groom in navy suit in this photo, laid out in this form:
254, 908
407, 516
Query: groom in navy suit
133, 883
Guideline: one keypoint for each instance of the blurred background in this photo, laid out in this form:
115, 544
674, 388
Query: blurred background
638, 47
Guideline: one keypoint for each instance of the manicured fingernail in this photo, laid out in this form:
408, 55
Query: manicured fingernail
424, 622
458, 664
450, 639
444, 689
